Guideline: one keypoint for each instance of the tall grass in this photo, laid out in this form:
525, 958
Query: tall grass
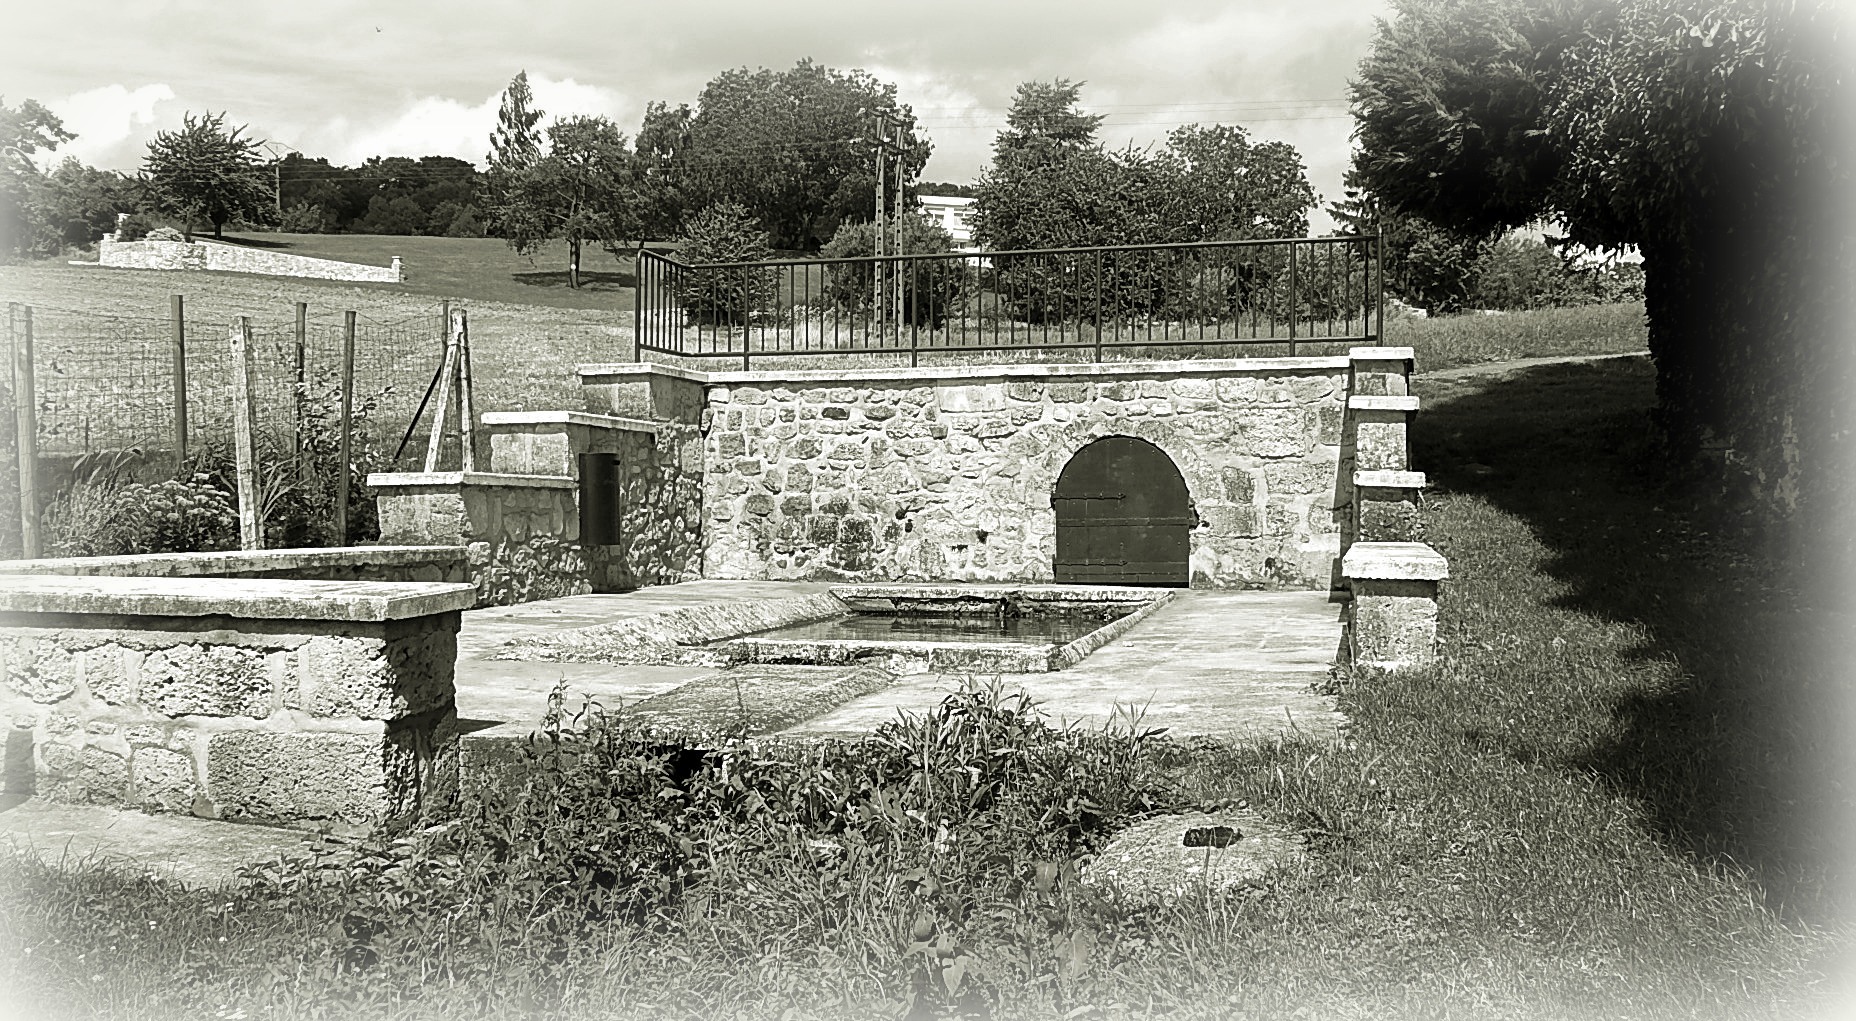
1449, 341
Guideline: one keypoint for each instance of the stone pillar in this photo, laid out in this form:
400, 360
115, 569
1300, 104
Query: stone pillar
521, 533
1386, 506
1380, 371
1392, 617
271, 700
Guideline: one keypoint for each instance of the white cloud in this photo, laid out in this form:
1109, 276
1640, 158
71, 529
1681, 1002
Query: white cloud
441, 126
104, 118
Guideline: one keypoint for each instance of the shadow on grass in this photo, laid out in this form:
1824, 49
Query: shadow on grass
1743, 758
589, 280
247, 241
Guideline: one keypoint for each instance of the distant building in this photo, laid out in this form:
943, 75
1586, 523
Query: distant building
950, 214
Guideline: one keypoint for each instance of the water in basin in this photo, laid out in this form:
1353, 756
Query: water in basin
1038, 629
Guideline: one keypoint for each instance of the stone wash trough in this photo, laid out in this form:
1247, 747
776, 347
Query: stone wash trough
678, 515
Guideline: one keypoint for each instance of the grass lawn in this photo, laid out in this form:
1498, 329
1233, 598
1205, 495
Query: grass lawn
1619, 794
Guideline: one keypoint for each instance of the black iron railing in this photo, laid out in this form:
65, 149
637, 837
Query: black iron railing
1124, 301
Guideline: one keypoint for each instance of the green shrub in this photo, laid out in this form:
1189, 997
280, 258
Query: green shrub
102, 515
932, 289
725, 233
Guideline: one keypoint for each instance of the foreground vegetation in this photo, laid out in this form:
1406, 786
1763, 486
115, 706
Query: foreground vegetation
1615, 797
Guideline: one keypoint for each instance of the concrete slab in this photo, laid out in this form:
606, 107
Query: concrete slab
1232, 665
199, 853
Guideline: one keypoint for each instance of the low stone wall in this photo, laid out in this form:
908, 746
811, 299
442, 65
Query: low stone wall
520, 532
280, 701
207, 255
659, 499
947, 473
355, 563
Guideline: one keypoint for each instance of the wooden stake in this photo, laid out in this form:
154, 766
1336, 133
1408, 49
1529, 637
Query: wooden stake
177, 324
346, 456
446, 369
244, 432
466, 411
26, 417
302, 359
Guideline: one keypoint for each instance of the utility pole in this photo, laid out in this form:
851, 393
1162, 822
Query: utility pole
876, 266
887, 278
896, 215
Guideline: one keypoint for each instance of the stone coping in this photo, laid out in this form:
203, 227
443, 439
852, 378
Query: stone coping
185, 565
1388, 480
249, 598
1374, 402
919, 591
384, 480
591, 373
1382, 354
1394, 561
586, 418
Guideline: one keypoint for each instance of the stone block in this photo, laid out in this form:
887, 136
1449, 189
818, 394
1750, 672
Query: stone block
39, 669
1393, 623
208, 680
1387, 515
1199, 389
1380, 442
1069, 393
266, 775
1275, 431
84, 774
1025, 390
1301, 477
163, 779
971, 398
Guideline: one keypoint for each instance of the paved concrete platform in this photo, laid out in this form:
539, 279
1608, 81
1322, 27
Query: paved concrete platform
199, 853
1224, 664
1231, 665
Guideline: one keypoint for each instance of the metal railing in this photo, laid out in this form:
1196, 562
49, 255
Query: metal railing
1049, 304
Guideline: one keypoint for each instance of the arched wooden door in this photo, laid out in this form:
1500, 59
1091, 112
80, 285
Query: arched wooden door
1123, 515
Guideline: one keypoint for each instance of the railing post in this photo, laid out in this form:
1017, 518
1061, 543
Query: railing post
346, 453
638, 299
1098, 307
1295, 298
1379, 276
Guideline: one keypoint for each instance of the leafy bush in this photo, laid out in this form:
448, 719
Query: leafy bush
931, 288
725, 233
1520, 272
100, 514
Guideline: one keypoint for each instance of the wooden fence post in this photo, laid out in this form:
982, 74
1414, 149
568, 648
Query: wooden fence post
177, 319
302, 350
446, 369
466, 411
250, 520
346, 468
26, 417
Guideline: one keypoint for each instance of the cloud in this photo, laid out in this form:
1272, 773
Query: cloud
443, 126
109, 121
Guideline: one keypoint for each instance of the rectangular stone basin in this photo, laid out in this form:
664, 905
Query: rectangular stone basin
1007, 629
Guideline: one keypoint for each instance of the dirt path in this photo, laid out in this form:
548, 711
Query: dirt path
1488, 368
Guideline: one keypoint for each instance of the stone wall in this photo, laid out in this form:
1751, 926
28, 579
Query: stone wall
280, 701
355, 563
207, 255
947, 473
520, 532
660, 499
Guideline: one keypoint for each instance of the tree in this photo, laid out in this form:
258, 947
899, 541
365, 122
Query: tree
1425, 265
724, 233
931, 288
793, 147
665, 183
1224, 188
24, 131
206, 172
1046, 112
582, 192
515, 146
1708, 135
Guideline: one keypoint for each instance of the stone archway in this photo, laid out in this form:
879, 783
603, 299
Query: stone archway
1124, 516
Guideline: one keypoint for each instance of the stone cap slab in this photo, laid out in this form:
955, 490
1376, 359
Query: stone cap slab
1394, 561
1388, 480
192, 565
385, 480
1374, 402
1382, 354
251, 598
971, 373
585, 418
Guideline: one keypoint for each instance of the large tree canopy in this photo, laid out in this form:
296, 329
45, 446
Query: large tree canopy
1052, 184
582, 192
206, 172
1714, 136
792, 147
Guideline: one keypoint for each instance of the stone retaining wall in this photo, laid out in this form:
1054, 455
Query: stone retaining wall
207, 255
354, 563
520, 532
947, 473
281, 701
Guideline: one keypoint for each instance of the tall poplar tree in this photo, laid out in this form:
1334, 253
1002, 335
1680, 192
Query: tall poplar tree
515, 147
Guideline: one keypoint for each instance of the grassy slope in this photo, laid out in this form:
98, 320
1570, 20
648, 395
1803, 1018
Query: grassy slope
1617, 796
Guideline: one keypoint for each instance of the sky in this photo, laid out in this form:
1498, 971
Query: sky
348, 80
